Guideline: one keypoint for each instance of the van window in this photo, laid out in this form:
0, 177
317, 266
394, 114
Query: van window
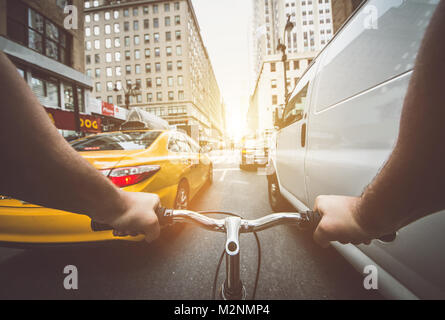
295, 108
379, 43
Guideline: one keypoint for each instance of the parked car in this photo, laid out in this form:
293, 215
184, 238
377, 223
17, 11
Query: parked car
168, 163
341, 124
254, 153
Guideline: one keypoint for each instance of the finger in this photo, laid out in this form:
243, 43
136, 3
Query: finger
321, 237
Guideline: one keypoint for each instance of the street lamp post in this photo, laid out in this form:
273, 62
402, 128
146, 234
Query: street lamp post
132, 91
282, 47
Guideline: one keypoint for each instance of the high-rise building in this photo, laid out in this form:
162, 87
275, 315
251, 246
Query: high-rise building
156, 46
312, 30
50, 57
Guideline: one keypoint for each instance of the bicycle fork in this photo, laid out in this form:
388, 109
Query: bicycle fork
233, 288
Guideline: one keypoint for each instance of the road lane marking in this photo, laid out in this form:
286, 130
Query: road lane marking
223, 176
240, 182
226, 169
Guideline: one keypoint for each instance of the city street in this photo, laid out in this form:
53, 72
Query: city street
182, 263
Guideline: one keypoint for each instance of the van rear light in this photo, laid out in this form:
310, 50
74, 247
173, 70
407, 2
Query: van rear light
124, 177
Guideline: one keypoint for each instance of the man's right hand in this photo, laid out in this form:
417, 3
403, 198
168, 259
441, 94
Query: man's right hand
138, 218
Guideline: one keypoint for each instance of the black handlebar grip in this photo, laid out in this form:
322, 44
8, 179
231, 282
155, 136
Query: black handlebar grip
97, 226
164, 217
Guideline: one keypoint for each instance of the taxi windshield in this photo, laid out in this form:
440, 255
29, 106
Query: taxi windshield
128, 140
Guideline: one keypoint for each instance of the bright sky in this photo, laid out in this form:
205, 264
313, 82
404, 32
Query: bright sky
225, 26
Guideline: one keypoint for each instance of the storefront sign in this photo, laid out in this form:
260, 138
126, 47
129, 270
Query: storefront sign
65, 120
107, 109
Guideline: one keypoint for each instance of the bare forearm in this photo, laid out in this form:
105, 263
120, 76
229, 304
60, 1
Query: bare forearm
38, 165
411, 184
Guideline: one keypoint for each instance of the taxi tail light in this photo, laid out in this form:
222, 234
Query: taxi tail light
124, 177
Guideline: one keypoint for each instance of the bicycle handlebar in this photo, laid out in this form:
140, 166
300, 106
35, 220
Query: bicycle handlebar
304, 220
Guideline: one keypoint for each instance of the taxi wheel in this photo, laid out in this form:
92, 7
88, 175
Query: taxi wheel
182, 196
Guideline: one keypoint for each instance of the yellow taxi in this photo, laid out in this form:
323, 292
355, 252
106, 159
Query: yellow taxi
165, 162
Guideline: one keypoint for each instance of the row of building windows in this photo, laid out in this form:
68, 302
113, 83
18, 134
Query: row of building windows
136, 54
128, 69
155, 8
116, 26
149, 97
148, 83
136, 40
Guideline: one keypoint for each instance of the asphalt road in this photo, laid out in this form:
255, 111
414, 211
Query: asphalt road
182, 263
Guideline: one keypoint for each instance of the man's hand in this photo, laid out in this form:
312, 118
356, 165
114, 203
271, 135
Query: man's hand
139, 216
339, 221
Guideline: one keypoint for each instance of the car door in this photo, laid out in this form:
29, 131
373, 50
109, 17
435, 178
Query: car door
291, 142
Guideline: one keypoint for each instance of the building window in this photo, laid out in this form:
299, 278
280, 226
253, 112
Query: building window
180, 81
145, 10
273, 83
178, 50
88, 59
127, 55
168, 36
147, 53
136, 25
158, 67
110, 99
158, 82
167, 21
117, 28
35, 31
96, 58
178, 35
118, 72
169, 66
127, 41
179, 64
136, 40
127, 69
170, 81
177, 20
126, 26
68, 94
155, 23
180, 95
273, 67
274, 99
148, 83
171, 95
156, 37
148, 67
108, 57
177, 5
137, 54
159, 96
157, 52
146, 24
126, 13
97, 44
116, 14
137, 69
119, 99
149, 97
146, 38
168, 51
97, 87
135, 12
155, 8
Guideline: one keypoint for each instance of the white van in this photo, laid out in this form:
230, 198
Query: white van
340, 126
